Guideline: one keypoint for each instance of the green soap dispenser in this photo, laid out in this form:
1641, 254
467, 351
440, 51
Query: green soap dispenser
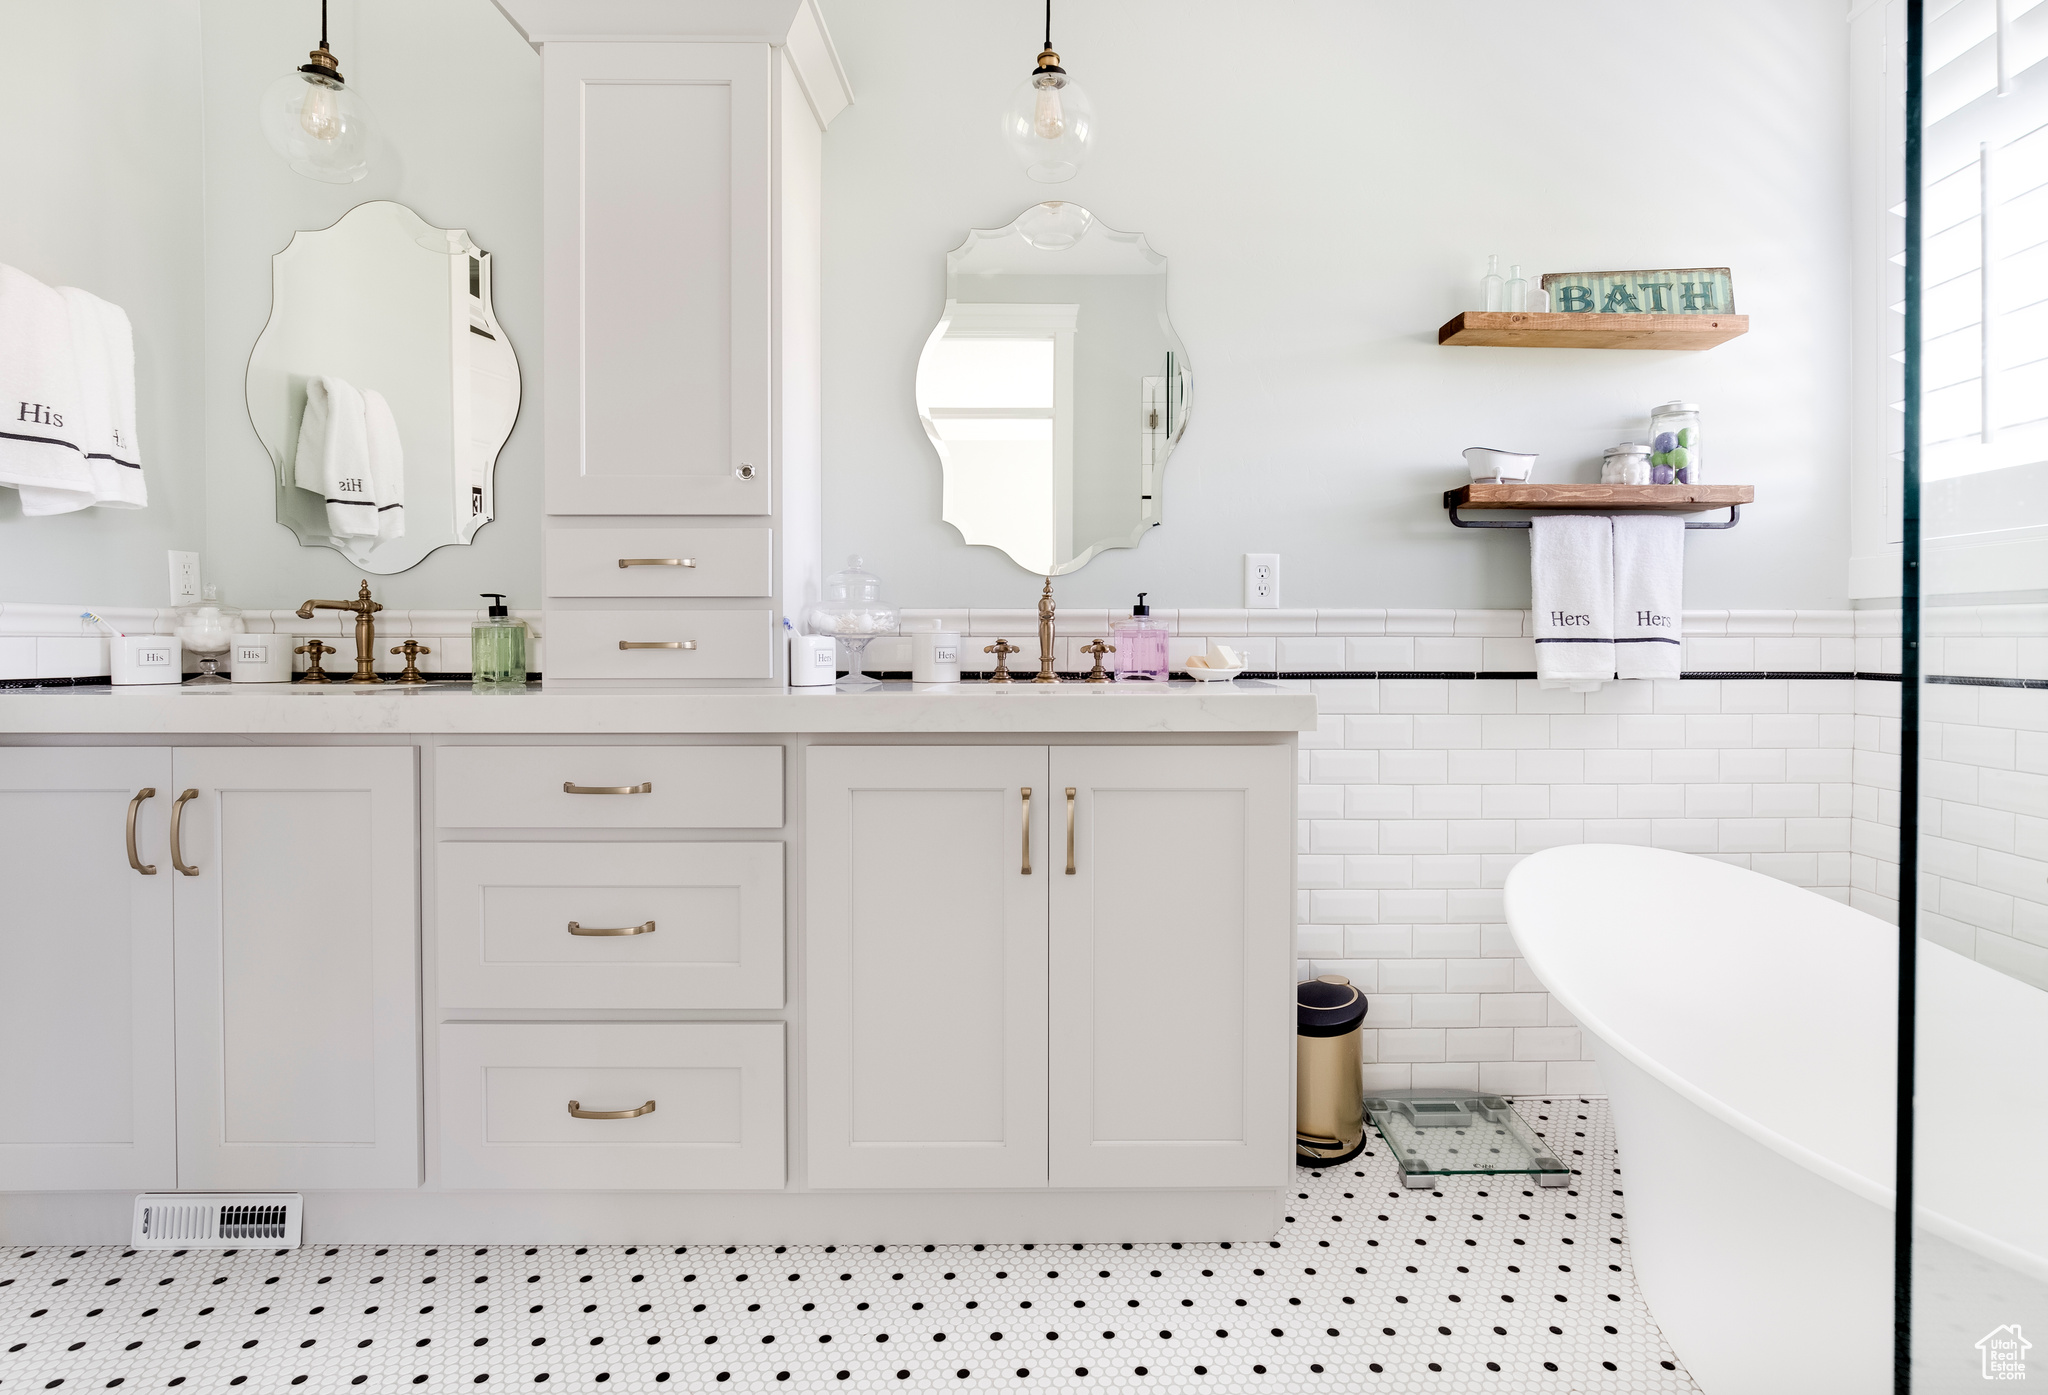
497, 647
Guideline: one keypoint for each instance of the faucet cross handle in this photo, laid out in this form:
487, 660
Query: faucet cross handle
1002, 649
1098, 648
313, 649
412, 649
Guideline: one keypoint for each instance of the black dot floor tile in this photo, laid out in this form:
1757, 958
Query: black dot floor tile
1484, 1285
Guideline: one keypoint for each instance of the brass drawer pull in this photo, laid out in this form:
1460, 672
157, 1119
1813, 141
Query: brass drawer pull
134, 806
645, 787
1070, 830
625, 562
577, 1111
643, 929
657, 644
177, 817
1027, 830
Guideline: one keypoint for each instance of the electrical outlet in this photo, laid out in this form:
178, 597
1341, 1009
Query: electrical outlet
1262, 580
184, 578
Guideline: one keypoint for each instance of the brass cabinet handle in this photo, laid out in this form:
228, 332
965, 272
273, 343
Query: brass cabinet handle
657, 644
577, 1111
134, 806
177, 817
1070, 830
1027, 830
644, 787
646, 928
625, 562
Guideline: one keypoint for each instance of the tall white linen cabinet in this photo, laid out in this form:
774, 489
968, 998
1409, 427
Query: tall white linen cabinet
682, 363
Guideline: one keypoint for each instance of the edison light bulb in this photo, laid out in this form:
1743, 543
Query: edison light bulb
1048, 119
320, 116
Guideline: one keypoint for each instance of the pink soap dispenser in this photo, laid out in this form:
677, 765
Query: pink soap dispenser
1140, 644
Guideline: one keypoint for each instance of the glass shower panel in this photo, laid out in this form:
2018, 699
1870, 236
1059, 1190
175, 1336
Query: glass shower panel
1972, 719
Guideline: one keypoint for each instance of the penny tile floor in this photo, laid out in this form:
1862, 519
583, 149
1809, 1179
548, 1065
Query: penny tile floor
1487, 1284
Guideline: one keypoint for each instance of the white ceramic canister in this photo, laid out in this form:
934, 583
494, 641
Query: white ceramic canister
935, 656
146, 659
260, 659
813, 661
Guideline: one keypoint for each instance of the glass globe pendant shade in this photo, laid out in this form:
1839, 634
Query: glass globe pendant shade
1049, 123
319, 126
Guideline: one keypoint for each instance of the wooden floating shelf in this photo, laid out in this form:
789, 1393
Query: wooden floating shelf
1653, 498
1516, 329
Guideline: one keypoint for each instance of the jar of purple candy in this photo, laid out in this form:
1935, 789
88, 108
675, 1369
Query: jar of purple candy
1675, 444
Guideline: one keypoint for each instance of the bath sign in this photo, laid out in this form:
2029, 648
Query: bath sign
1706, 290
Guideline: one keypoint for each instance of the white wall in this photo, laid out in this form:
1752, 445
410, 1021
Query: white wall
99, 116
1326, 178
138, 171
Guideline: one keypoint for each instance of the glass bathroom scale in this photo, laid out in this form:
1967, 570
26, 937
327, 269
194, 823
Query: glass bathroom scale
1440, 1133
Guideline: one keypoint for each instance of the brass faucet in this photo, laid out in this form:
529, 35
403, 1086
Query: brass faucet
1048, 666
366, 630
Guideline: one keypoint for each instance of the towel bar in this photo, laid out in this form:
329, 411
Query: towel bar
1450, 504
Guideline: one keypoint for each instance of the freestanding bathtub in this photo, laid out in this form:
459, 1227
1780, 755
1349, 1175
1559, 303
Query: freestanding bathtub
1745, 1032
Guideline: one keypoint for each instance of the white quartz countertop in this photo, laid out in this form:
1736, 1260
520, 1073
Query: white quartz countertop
336, 709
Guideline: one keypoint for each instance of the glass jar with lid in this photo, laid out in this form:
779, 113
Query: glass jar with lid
1675, 444
852, 611
1627, 463
208, 630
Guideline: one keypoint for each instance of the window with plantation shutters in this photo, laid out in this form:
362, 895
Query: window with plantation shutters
1984, 285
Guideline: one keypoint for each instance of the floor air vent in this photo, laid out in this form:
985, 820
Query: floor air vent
222, 1220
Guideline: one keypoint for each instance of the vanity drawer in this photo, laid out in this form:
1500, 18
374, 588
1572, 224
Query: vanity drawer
721, 643
661, 562
716, 1087
671, 786
517, 924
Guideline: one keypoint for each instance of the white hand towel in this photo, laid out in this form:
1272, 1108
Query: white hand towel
334, 457
1571, 573
40, 454
105, 346
387, 476
1649, 590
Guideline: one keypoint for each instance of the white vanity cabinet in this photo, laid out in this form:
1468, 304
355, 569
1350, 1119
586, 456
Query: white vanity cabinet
87, 1092
277, 928
1057, 966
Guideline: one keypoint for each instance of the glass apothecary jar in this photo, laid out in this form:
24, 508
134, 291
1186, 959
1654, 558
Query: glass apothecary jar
1627, 463
1675, 444
208, 631
852, 611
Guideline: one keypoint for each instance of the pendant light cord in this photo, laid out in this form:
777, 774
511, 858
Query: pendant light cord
323, 20
1048, 20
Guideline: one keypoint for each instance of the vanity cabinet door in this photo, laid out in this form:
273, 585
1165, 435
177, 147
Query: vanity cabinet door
1171, 964
925, 966
656, 207
297, 968
87, 1095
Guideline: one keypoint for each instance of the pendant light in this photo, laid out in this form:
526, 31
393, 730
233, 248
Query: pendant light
1049, 123
313, 120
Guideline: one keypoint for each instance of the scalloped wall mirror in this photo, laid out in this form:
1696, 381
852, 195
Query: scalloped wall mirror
1054, 388
383, 387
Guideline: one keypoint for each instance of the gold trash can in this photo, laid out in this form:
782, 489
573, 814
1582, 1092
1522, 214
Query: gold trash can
1329, 1089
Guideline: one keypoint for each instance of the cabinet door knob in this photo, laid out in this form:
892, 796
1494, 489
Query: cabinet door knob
177, 820
148, 869
646, 928
1027, 830
644, 787
1070, 830
744, 470
625, 562
657, 644
577, 1111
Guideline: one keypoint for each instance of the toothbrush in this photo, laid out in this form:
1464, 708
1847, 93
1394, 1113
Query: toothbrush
88, 615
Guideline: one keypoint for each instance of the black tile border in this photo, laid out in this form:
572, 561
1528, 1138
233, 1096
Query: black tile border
1966, 682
